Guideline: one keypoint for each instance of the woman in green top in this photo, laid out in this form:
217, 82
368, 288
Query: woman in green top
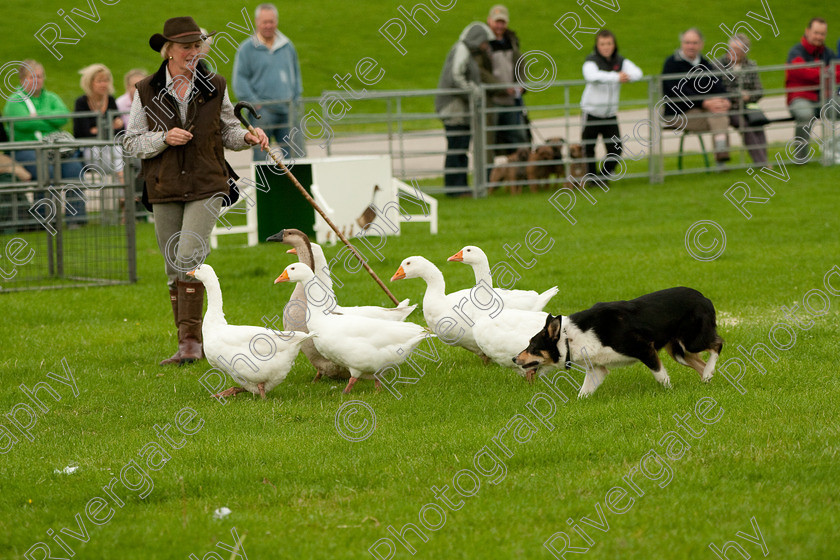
30, 100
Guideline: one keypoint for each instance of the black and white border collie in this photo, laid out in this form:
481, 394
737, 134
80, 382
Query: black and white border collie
619, 333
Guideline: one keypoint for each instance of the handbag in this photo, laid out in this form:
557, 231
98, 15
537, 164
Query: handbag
59, 137
754, 116
55, 137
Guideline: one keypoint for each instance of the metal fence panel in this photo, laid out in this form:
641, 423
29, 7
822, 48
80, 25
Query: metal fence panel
74, 230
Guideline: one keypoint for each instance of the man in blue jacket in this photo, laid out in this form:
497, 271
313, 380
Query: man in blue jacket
266, 73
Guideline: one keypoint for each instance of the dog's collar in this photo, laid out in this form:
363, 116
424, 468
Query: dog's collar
568, 357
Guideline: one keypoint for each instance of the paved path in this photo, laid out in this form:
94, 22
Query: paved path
424, 149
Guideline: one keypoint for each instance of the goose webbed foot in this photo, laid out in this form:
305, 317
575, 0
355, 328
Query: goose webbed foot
229, 392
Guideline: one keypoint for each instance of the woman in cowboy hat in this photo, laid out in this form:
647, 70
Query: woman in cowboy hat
181, 121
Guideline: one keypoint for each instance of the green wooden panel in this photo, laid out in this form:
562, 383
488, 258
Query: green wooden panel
282, 206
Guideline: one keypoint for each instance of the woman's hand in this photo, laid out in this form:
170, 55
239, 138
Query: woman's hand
716, 104
94, 131
178, 137
118, 123
260, 139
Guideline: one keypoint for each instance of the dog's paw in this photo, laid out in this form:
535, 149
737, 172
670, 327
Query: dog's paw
706, 378
584, 394
666, 382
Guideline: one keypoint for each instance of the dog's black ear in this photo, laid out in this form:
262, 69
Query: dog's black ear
548, 319
552, 327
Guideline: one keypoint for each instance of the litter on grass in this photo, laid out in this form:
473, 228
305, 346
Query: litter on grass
221, 513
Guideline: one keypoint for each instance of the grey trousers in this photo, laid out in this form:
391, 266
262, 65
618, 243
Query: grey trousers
803, 110
754, 138
183, 231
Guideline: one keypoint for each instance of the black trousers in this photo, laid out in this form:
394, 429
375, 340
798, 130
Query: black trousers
456, 163
606, 127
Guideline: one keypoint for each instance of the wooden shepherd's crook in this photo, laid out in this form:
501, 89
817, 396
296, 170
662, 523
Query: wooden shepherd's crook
237, 110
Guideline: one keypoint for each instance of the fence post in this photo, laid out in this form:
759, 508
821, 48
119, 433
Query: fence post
825, 138
130, 173
296, 109
479, 131
103, 126
390, 121
656, 157
830, 147
400, 134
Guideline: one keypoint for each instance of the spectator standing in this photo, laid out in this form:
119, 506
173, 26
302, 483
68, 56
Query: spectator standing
706, 111
183, 165
604, 71
745, 88
804, 104
460, 71
502, 61
266, 68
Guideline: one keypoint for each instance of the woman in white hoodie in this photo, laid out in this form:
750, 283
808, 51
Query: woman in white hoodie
604, 71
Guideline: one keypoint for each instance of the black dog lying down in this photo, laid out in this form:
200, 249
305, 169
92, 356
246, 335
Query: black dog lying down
620, 333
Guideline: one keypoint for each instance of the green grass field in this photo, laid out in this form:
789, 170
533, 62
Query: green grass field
298, 489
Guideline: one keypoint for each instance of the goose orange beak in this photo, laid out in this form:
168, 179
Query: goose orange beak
191, 273
292, 251
399, 274
282, 278
458, 257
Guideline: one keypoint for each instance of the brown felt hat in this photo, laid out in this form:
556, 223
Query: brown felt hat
178, 30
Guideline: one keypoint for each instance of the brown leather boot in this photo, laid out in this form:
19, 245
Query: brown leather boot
176, 357
190, 307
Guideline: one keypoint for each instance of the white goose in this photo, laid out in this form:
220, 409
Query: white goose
294, 313
443, 312
504, 336
323, 273
528, 300
363, 345
226, 345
